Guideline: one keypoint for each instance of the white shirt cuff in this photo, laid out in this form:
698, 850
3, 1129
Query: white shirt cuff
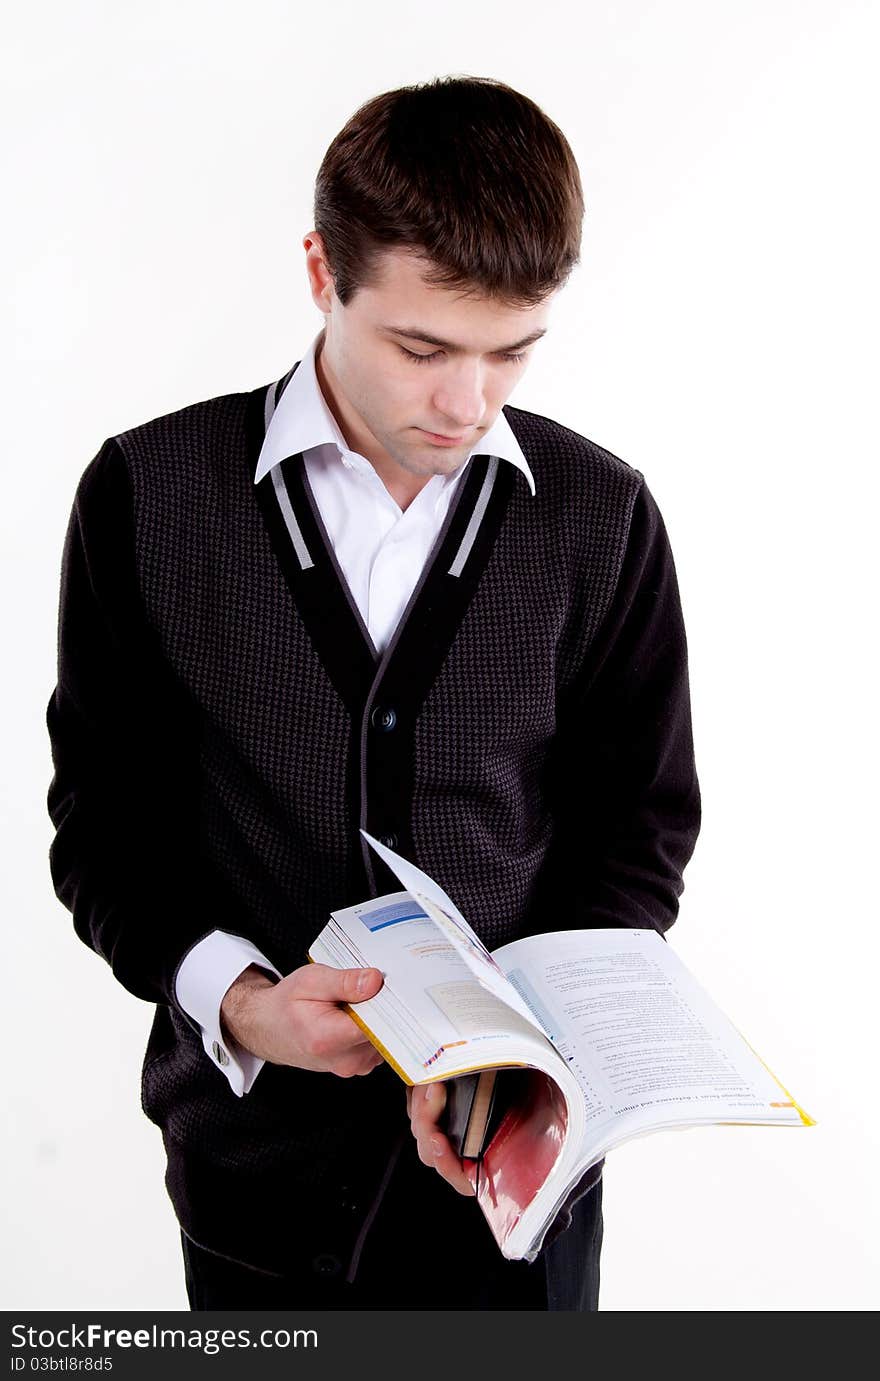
203, 978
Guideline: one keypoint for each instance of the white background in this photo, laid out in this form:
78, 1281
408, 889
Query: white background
720, 335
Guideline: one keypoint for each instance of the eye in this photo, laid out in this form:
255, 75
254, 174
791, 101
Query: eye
509, 357
420, 359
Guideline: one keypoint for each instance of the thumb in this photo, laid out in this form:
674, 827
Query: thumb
322, 983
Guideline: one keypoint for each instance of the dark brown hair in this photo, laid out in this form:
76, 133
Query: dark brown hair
463, 170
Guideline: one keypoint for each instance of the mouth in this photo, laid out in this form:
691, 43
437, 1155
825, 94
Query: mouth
439, 440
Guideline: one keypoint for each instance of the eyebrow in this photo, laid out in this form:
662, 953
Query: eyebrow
413, 333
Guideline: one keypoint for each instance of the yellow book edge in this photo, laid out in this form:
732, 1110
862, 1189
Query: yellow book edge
806, 1119
436, 1078
386, 1054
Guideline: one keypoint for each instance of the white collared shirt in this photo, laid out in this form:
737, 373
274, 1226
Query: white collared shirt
381, 550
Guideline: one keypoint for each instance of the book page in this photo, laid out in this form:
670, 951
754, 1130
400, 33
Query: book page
442, 909
644, 1039
432, 1015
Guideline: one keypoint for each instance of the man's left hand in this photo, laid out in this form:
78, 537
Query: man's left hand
425, 1105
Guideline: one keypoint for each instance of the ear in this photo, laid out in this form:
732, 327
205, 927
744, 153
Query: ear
318, 270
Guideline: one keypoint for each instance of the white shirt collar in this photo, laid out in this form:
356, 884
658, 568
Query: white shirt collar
302, 419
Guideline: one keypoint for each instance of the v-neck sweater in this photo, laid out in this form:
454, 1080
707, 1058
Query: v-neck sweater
381, 552
222, 726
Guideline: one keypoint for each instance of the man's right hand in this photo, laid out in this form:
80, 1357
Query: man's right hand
299, 1021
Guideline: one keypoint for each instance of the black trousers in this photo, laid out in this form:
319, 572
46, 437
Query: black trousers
428, 1248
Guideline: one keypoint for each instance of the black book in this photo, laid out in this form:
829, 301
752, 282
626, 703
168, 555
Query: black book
475, 1105
469, 1102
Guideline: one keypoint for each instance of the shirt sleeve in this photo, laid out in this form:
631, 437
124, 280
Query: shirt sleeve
203, 978
628, 798
125, 858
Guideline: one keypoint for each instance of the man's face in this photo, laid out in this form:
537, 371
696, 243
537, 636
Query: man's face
408, 365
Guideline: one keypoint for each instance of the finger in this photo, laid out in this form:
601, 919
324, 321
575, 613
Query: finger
375, 1062
371, 1059
332, 1034
355, 1063
429, 1102
450, 1166
422, 1123
324, 984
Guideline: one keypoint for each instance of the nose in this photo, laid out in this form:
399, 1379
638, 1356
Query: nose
459, 396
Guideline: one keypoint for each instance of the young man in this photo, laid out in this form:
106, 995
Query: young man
368, 594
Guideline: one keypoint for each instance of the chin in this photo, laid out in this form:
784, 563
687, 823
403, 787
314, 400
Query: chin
446, 462
431, 460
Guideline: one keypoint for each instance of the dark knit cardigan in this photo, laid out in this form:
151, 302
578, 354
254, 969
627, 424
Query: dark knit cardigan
222, 725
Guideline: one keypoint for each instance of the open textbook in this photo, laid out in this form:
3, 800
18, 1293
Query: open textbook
615, 1036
